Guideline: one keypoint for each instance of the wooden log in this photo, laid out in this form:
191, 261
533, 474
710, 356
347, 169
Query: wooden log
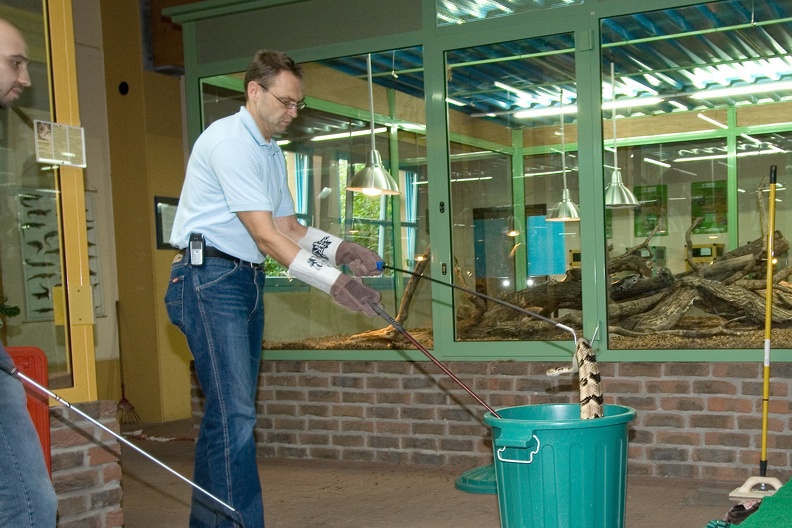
757, 247
735, 300
721, 269
634, 263
631, 259
643, 286
551, 296
621, 310
667, 313
779, 283
412, 285
689, 243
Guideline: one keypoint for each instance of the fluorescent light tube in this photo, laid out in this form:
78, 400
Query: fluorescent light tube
656, 162
742, 90
342, 135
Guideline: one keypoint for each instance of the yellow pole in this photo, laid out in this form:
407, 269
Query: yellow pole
768, 318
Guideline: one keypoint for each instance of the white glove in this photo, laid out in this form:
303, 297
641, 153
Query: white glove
346, 291
362, 261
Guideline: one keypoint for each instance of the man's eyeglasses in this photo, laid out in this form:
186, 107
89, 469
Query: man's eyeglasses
299, 105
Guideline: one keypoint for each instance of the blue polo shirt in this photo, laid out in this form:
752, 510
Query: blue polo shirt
232, 168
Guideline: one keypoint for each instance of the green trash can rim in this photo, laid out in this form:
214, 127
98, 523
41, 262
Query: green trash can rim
613, 414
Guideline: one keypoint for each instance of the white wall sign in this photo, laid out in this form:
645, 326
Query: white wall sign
60, 144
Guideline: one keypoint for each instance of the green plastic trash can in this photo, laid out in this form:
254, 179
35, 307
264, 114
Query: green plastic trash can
554, 470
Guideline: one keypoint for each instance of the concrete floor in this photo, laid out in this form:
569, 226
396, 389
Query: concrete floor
309, 494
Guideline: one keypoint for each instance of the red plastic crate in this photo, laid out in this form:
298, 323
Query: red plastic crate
32, 362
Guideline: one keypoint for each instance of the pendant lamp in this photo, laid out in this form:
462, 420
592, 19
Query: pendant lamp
617, 195
373, 179
566, 210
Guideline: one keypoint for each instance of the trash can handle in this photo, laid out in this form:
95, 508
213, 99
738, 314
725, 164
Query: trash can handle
530, 458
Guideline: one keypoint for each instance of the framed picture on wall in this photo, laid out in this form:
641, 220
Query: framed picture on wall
708, 201
653, 210
164, 212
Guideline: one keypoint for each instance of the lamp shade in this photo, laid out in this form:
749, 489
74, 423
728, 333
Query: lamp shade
564, 211
617, 195
373, 179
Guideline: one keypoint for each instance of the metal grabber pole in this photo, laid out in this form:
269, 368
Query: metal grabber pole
11, 370
396, 325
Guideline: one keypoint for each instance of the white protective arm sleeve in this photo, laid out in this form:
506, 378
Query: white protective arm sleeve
320, 244
361, 260
346, 291
313, 271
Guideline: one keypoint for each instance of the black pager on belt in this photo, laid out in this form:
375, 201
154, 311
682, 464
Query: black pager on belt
196, 249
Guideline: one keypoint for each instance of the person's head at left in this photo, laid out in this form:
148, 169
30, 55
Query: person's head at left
14, 75
273, 91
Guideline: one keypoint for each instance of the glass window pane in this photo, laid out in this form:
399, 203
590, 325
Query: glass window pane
757, 154
684, 92
325, 146
461, 11
509, 108
32, 293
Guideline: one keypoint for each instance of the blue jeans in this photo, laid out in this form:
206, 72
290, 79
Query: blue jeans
27, 499
219, 308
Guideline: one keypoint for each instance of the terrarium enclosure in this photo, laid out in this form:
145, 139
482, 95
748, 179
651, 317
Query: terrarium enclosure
629, 196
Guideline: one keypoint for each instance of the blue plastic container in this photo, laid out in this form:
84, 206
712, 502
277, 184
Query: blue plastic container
554, 470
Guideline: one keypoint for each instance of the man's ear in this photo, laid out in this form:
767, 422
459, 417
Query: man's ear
252, 92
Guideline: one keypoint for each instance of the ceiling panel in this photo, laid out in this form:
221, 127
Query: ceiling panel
666, 53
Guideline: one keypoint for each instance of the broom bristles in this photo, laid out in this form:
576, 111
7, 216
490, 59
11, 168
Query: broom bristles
126, 411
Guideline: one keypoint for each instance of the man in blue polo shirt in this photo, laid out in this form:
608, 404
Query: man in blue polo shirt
235, 208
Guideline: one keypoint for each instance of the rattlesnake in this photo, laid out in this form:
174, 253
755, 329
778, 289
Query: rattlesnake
585, 365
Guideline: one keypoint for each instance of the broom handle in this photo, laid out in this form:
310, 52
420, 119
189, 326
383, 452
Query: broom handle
768, 319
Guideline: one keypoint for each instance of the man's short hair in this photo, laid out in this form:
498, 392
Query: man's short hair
268, 64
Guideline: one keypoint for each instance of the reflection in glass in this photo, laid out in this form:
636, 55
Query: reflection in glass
504, 99
461, 11
325, 145
31, 262
617, 195
701, 125
565, 210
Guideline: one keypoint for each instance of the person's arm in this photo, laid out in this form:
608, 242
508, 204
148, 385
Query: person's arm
361, 260
274, 237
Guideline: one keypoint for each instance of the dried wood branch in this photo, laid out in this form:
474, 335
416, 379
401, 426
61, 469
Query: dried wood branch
691, 334
389, 333
733, 299
412, 285
689, 243
667, 313
631, 259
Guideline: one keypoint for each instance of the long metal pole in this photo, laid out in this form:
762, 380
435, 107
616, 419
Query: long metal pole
371, 101
395, 324
495, 300
13, 371
768, 318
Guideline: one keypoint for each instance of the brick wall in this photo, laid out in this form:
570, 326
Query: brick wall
694, 420
86, 472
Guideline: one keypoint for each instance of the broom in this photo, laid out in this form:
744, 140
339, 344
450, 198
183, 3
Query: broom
126, 411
